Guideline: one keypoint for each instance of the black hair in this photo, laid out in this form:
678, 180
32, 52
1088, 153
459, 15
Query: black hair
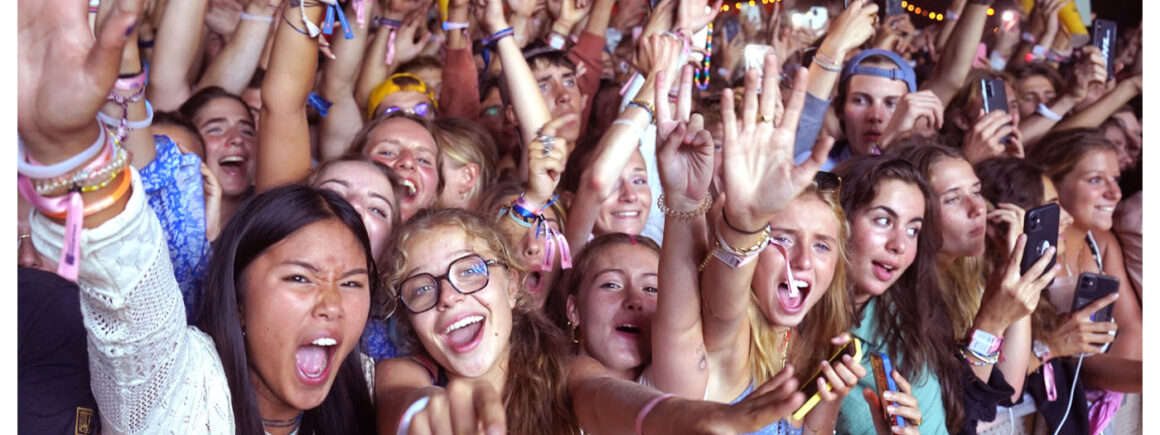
262, 221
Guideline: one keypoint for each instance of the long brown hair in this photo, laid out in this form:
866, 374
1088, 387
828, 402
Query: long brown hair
831, 316
534, 393
575, 278
911, 314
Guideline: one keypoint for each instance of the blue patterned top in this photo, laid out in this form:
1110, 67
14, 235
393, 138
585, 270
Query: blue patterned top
379, 338
174, 187
779, 427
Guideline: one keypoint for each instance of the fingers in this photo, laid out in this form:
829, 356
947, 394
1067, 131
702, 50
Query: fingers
436, 415
750, 103
729, 122
783, 380
1086, 312
489, 410
819, 154
770, 91
840, 339
553, 126
797, 100
875, 406
1015, 257
903, 384
104, 59
663, 109
685, 93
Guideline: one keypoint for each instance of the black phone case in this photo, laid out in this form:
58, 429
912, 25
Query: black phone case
994, 93
732, 28
1104, 39
1041, 225
1089, 288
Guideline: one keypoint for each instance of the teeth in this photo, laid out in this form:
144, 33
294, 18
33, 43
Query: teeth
466, 321
1106, 208
232, 159
324, 342
410, 186
626, 214
794, 290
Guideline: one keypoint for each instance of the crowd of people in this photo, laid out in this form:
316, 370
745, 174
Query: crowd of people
574, 216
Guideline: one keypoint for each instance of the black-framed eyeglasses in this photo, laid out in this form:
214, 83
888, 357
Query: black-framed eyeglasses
827, 181
467, 275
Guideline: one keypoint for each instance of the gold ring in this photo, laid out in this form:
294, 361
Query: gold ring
767, 118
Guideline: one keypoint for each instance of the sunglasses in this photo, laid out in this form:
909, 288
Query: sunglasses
419, 109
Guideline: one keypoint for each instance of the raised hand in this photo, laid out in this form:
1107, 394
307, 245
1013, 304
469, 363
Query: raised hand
905, 405
1008, 218
696, 14
841, 377
686, 164
493, 17
523, 8
65, 74
923, 110
1009, 295
412, 38
1091, 69
984, 139
852, 27
546, 163
569, 13
1045, 20
760, 175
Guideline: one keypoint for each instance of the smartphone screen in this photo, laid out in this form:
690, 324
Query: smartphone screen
1041, 225
880, 363
1104, 39
1091, 287
810, 386
732, 28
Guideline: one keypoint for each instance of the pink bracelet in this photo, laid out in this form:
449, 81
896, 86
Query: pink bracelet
648, 408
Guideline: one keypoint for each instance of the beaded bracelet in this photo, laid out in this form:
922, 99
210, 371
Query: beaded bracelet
89, 179
252, 17
826, 63
102, 203
491, 40
684, 215
963, 353
648, 107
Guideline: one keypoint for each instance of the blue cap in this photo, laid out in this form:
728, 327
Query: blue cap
904, 72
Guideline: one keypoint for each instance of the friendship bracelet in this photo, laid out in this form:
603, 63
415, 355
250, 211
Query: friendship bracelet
648, 408
454, 25
30, 168
1042, 109
262, 18
648, 107
826, 62
125, 123
292, 26
144, 44
491, 40
332, 10
739, 230
684, 215
101, 204
416, 407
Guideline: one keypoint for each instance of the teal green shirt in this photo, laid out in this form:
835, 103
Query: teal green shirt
855, 416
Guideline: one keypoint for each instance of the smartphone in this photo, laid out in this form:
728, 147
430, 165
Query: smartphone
810, 387
816, 17
1104, 39
753, 14
994, 93
880, 363
1041, 225
893, 7
755, 55
1089, 288
732, 28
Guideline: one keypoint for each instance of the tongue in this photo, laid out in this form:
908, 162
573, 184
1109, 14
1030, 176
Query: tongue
311, 360
790, 300
462, 336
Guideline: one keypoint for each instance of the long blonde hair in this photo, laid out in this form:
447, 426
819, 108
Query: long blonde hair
534, 394
831, 316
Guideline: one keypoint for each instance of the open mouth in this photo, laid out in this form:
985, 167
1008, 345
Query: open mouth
233, 165
412, 191
464, 334
792, 298
534, 283
883, 271
1106, 208
628, 328
314, 359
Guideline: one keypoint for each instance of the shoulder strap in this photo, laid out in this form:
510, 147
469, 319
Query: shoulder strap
1095, 248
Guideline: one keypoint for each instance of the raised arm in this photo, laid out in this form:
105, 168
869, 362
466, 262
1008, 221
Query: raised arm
233, 68
760, 179
407, 30
1128, 315
138, 119
948, 26
175, 47
685, 161
343, 119
1095, 114
955, 59
526, 100
621, 140
1091, 70
460, 94
283, 134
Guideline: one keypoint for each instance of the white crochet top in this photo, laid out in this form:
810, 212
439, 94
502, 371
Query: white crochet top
151, 373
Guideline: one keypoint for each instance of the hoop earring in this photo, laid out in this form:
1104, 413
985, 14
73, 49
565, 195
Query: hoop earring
572, 332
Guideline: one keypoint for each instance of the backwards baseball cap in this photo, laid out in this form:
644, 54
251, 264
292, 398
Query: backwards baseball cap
390, 86
904, 72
